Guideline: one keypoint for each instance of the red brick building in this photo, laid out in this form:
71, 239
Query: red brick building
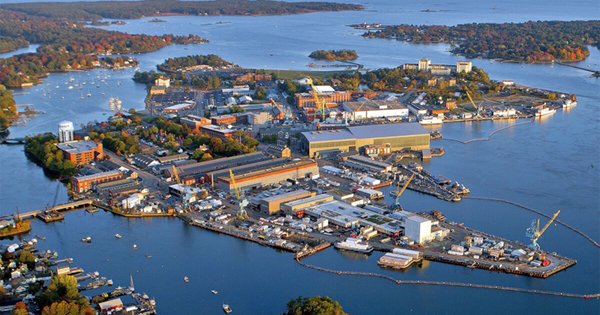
81, 152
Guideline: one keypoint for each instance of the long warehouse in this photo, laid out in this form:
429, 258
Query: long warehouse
398, 136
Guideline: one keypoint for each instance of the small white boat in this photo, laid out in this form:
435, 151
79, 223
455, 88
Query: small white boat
134, 246
214, 292
227, 309
87, 239
118, 236
186, 279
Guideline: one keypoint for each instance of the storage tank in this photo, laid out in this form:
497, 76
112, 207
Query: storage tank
65, 131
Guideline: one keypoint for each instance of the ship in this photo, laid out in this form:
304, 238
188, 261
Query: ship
545, 112
227, 309
430, 120
355, 245
569, 103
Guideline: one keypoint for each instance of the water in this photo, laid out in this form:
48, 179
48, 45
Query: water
550, 164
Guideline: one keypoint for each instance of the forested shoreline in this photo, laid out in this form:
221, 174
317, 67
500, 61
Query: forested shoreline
531, 42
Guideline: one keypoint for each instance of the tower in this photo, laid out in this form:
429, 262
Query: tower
65, 131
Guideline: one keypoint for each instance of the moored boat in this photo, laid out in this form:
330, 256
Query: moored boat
354, 244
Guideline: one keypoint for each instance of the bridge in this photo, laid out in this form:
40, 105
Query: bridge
60, 208
595, 73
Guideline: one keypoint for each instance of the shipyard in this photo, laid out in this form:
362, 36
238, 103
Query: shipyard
364, 171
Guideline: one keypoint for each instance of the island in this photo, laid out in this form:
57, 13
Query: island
531, 42
195, 62
334, 55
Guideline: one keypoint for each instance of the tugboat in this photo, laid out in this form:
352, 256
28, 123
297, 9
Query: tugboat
227, 309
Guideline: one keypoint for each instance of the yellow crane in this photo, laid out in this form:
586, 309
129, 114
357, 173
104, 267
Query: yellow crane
320, 105
242, 202
471, 100
175, 174
534, 232
401, 191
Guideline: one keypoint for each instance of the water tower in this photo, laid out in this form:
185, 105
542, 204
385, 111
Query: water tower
65, 131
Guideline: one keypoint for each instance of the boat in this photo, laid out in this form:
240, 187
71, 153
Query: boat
227, 309
118, 236
70, 87
355, 245
569, 103
186, 279
87, 239
430, 120
134, 246
214, 292
545, 112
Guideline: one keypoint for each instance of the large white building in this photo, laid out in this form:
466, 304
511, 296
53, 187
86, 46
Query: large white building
464, 66
367, 109
65, 131
417, 228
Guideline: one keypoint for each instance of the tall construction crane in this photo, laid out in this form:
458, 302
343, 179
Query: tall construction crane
471, 100
318, 103
242, 201
185, 191
534, 233
401, 191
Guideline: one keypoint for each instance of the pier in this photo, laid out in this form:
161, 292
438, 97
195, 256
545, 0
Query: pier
60, 208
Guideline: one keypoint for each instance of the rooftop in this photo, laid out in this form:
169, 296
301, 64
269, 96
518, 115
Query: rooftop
369, 105
74, 147
367, 131
101, 174
286, 195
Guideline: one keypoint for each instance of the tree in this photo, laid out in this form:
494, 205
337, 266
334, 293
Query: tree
62, 288
26, 257
67, 308
314, 306
20, 309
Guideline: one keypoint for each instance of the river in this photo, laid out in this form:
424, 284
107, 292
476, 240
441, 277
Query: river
550, 164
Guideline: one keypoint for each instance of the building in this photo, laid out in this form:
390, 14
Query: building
174, 109
359, 110
327, 95
364, 163
417, 228
272, 204
218, 131
297, 206
162, 82
84, 183
172, 158
399, 136
295, 169
424, 64
224, 120
81, 152
464, 66
195, 122
199, 170
249, 77
111, 306
279, 151
65, 131
145, 161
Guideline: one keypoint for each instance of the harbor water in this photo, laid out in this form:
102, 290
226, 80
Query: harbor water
550, 164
